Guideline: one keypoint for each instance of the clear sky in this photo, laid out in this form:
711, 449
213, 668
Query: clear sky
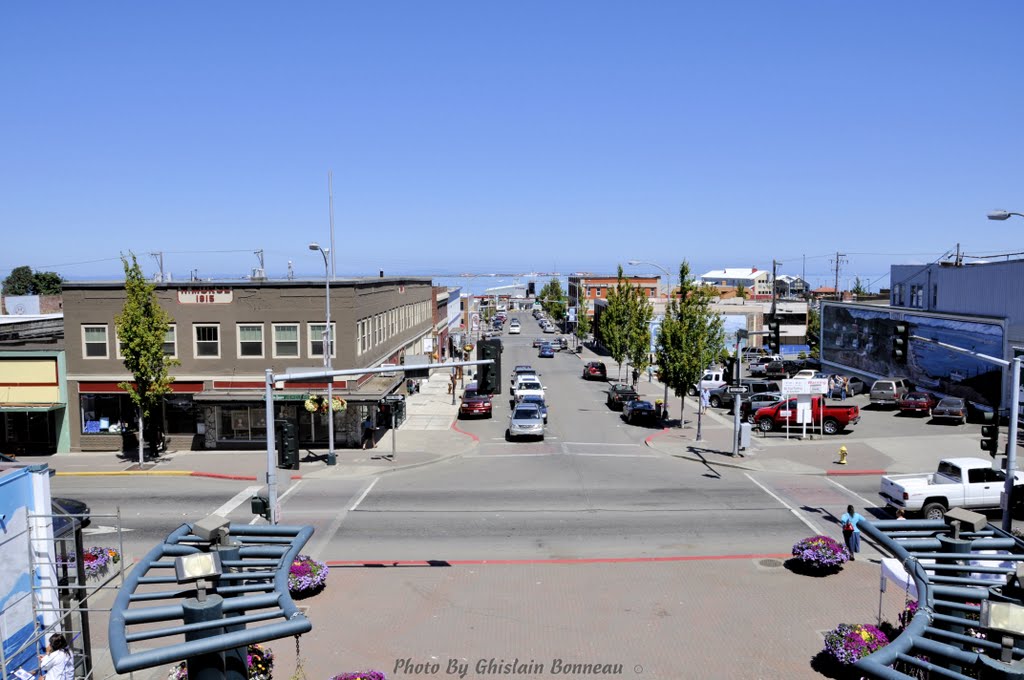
515, 136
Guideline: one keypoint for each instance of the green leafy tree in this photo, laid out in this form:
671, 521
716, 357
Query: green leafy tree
813, 329
859, 289
638, 335
552, 299
23, 281
583, 321
142, 327
615, 320
692, 335
742, 292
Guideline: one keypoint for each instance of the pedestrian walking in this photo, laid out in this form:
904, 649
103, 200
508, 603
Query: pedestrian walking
843, 382
851, 532
705, 399
636, 376
57, 663
368, 429
831, 387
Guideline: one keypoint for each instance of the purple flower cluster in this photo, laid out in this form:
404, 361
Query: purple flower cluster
850, 642
259, 661
96, 560
821, 552
364, 675
306, 574
908, 613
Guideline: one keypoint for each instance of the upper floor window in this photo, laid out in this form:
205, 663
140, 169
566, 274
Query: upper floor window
286, 340
316, 340
171, 341
206, 340
94, 341
250, 340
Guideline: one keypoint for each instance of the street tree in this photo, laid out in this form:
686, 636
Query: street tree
142, 328
552, 299
692, 335
582, 320
813, 329
859, 289
742, 292
23, 281
615, 320
638, 337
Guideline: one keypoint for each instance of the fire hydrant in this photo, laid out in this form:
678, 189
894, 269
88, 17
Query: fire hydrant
842, 455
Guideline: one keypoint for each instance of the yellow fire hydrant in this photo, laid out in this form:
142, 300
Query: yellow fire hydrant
842, 455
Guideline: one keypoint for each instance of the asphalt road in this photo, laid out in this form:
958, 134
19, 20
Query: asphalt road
591, 489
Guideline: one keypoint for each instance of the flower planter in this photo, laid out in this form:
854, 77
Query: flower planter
97, 561
306, 577
819, 555
260, 662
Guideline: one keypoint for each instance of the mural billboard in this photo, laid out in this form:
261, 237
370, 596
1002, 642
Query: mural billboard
860, 339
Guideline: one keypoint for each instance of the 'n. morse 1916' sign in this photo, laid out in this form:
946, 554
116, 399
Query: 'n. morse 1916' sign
204, 296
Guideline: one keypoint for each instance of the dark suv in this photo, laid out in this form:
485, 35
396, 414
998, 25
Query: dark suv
595, 370
721, 398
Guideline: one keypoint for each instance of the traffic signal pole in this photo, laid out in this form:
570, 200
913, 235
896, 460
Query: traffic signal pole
271, 379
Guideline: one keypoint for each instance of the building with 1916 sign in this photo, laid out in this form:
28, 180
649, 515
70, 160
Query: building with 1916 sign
225, 334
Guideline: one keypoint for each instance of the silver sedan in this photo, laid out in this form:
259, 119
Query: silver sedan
526, 420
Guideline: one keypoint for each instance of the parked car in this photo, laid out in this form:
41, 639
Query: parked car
539, 402
759, 364
721, 398
806, 374
888, 391
474, 403
550, 328
619, 394
957, 483
538, 341
638, 411
750, 405
917, 402
546, 351
783, 369
526, 420
951, 409
854, 386
711, 379
833, 417
595, 370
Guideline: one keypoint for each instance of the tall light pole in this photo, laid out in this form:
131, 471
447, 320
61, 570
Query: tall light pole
668, 297
327, 347
1011, 444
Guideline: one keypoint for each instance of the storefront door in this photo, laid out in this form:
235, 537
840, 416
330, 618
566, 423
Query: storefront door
312, 428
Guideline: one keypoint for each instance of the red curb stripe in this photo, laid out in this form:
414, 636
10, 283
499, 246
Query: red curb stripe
455, 426
851, 473
217, 475
656, 434
587, 560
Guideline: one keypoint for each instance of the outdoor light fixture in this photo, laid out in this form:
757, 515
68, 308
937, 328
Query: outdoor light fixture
198, 567
212, 528
1002, 215
1004, 617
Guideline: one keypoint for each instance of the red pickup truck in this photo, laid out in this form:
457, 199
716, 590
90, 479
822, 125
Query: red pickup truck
834, 419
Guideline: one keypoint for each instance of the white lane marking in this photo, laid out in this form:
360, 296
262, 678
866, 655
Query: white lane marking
800, 517
597, 444
363, 495
614, 455
236, 500
101, 529
287, 491
866, 502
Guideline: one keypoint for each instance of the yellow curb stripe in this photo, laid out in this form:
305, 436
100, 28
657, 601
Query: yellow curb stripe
155, 473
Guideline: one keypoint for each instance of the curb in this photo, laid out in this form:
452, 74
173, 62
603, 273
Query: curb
454, 426
125, 473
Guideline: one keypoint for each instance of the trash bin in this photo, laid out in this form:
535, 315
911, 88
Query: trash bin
745, 429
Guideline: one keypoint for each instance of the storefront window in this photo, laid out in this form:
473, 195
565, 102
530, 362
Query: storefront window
243, 423
102, 413
179, 414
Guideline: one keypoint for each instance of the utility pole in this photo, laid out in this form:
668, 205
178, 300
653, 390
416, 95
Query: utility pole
159, 257
775, 265
330, 194
839, 261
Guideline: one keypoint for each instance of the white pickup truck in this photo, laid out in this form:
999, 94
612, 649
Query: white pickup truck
526, 384
957, 483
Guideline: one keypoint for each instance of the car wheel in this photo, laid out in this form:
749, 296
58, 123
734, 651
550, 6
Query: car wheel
766, 424
692, 391
542, 437
508, 435
752, 419
830, 426
715, 401
933, 511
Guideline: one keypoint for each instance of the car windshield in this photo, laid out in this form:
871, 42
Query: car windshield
527, 385
532, 413
951, 403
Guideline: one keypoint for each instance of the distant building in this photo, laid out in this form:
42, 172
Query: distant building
757, 283
33, 388
594, 287
787, 286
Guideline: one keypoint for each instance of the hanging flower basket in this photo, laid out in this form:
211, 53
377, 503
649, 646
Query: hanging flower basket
97, 561
306, 577
849, 643
821, 554
318, 404
260, 662
339, 404
312, 404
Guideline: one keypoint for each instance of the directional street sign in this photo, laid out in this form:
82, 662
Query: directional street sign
738, 389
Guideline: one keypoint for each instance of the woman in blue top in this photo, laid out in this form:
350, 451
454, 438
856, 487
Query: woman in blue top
851, 532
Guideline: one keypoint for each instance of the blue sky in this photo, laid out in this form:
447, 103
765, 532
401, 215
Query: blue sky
513, 136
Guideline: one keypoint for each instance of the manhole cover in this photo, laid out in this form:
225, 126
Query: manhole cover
770, 563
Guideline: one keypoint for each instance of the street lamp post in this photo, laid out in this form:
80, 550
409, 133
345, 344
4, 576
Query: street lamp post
668, 296
327, 347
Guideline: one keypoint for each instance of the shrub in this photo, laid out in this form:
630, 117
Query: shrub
820, 552
850, 642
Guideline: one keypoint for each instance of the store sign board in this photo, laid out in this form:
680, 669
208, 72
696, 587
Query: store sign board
204, 296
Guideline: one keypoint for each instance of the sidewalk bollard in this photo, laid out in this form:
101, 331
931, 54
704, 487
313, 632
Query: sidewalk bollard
842, 455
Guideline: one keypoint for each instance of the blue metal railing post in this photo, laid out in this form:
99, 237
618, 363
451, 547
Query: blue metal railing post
210, 665
235, 660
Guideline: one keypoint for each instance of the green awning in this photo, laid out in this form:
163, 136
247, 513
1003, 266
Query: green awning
30, 408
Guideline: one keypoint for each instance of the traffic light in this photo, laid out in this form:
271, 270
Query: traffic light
990, 433
260, 505
901, 343
774, 335
488, 376
287, 445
